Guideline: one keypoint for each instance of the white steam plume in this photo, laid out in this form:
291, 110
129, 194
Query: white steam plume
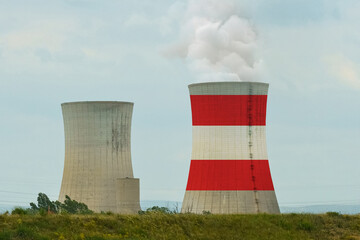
217, 43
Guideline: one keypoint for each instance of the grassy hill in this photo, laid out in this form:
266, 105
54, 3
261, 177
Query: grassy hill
180, 226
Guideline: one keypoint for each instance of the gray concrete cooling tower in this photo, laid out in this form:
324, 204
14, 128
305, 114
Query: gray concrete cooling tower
98, 169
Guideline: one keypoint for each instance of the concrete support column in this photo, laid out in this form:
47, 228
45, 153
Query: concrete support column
127, 195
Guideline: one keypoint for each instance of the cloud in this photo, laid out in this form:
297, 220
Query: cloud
217, 44
344, 70
61, 44
38, 46
50, 35
294, 54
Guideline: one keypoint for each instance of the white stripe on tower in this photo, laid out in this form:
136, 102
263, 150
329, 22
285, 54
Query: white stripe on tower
226, 142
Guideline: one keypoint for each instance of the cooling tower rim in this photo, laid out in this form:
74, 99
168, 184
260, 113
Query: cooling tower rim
227, 82
86, 102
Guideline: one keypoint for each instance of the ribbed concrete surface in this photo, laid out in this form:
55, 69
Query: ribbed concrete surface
230, 202
227, 142
229, 88
97, 152
128, 195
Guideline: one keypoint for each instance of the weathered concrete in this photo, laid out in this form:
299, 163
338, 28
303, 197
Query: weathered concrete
229, 88
227, 142
97, 152
128, 195
229, 202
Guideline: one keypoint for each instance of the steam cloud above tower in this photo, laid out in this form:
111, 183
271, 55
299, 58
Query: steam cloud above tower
217, 43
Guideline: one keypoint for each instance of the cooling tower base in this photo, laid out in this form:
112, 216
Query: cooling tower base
127, 195
230, 202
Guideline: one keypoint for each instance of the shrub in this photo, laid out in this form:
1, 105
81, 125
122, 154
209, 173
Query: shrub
158, 209
45, 206
333, 214
19, 211
74, 207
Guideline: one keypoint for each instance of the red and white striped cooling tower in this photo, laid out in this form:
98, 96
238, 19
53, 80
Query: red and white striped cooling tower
229, 170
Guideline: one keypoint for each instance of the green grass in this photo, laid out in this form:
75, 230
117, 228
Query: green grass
180, 226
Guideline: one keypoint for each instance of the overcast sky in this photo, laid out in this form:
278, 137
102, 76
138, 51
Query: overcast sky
75, 50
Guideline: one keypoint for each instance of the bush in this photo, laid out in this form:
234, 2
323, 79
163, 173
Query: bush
74, 207
19, 211
333, 214
45, 206
157, 209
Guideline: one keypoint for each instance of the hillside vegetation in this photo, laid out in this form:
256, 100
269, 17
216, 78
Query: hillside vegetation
154, 225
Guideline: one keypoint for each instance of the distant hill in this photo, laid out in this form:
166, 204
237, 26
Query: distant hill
343, 209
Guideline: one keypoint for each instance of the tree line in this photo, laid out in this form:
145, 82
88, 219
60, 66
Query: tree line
46, 206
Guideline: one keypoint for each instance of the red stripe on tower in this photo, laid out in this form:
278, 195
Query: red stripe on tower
229, 175
231, 110
229, 172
